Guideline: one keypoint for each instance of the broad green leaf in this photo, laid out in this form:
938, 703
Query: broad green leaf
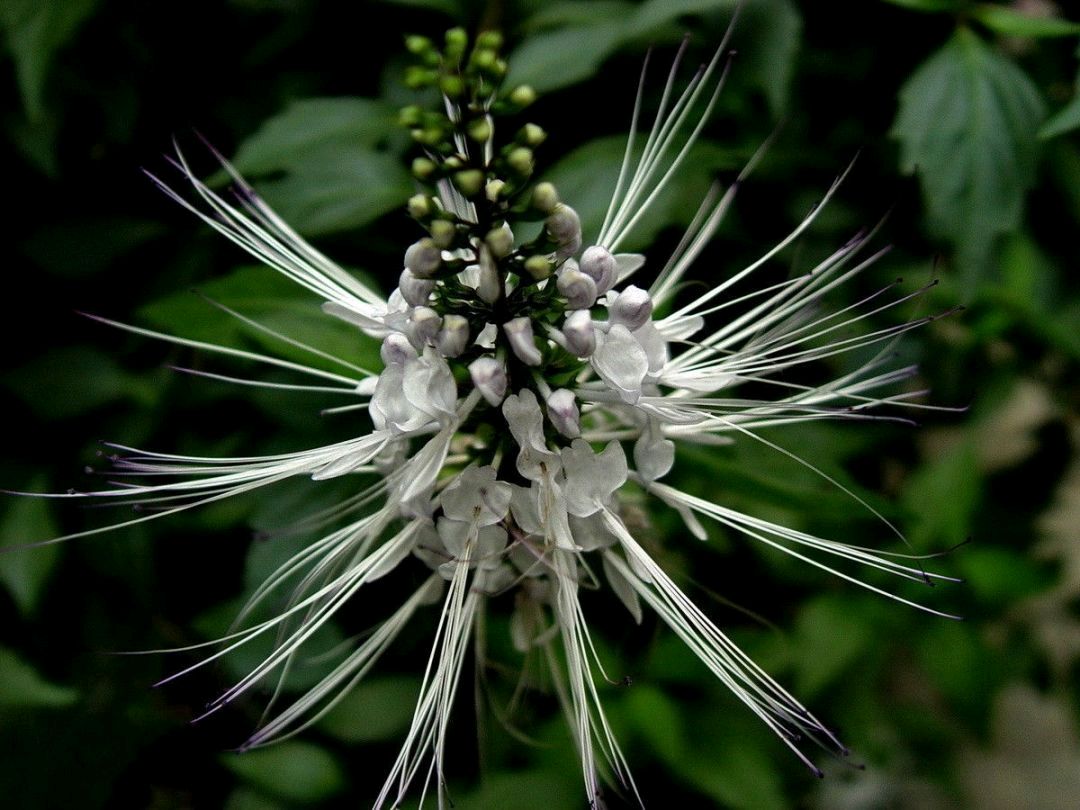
315, 123
65, 382
375, 709
83, 247
337, 172
296, 771
576, 13
451, 7
264, 296
22, 687
539, 789
565, 56
1064, 120
25, 571
941, 497
998, 576
1013, 23
733, 767
830, 638
35, 31
931, 6
577, 37
968, 124
657, 720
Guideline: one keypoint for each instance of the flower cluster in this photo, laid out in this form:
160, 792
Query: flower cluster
526, 385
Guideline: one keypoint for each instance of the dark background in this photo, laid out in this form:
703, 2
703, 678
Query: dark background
981, 713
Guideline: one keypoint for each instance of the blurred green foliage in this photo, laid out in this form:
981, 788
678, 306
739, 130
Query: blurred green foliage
979, 101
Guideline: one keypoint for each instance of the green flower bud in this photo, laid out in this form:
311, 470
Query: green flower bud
452, 85
520, 160
545, 197
419, 206
429, 136
469, 182
417, 77
539, 267
493, 189
423, 167
522, 96
442, 233
483, 59
500, 241
453, 162
492, 40
531, 135
456, 43
418, 44
480, 130
410, 116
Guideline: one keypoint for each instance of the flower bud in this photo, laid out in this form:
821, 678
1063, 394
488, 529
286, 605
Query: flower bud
456, 42
579, 333
396, 349
493, 189
424, 324
415, 290
489, 286
545, 197
423, 167
489, 377
519, 333
500, 241
532, 135
598, 263
577, 288
564, 227
522, 96
489, 39
453, 337
469, 182
632, 307
442, 233
423, 258
417, 44
520, 160
419, 206
452, 85
480, 130
538, 267
563, 413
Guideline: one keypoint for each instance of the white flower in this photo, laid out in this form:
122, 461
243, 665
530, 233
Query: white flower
537, 508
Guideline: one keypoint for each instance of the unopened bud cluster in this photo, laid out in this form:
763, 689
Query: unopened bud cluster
503, 309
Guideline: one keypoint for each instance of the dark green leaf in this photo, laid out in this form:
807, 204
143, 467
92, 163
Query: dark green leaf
999, 576
376, 709
931, 6
831, 637
25, 571
1064, 120
565, 56
1013, 23
36, 30
967, 124
315, 123
336, 172
273, 301
941, 497
299, 772
73, 380
22, 687
657, 721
